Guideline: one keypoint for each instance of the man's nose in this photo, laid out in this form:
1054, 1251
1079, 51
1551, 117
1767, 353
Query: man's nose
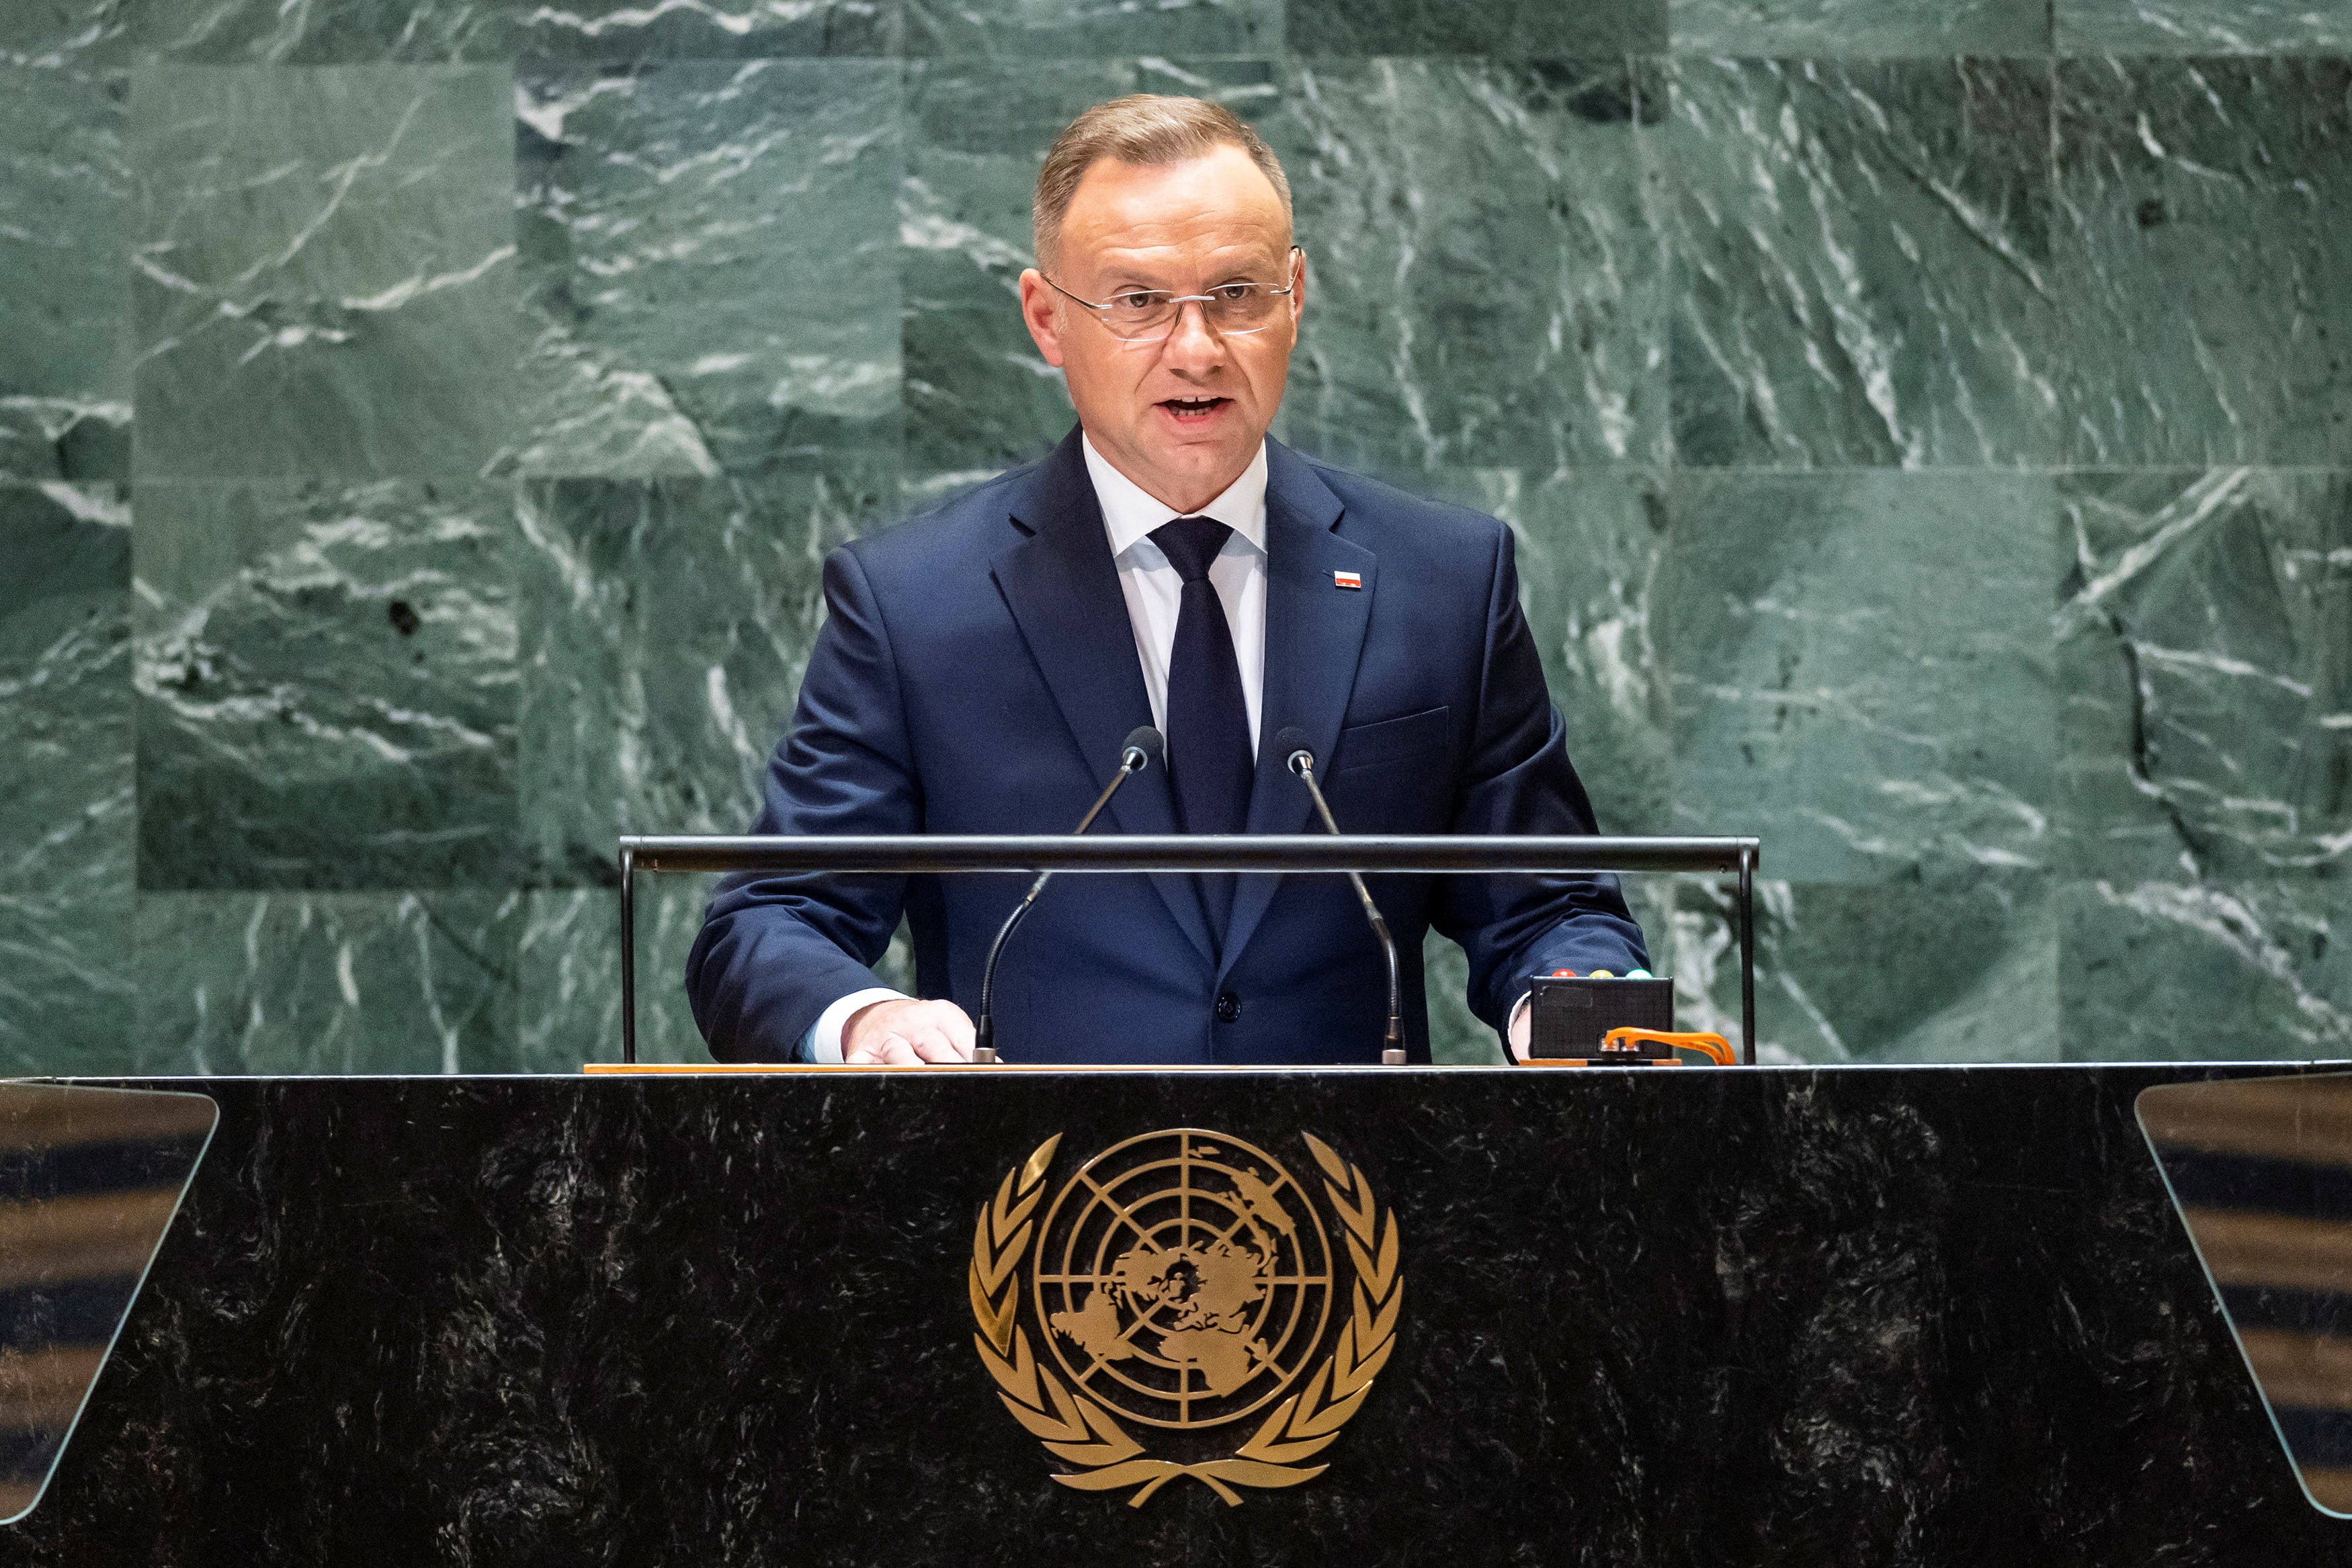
1191, 344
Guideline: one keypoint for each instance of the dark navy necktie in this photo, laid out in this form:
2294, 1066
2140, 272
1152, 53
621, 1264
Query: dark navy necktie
1208, 719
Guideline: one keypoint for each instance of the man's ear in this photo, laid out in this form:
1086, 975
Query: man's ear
1038, 313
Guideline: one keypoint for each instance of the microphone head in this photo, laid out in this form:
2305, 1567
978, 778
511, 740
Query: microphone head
1144, 744
1290, 745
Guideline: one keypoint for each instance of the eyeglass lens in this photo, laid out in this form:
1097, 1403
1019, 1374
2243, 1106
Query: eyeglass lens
1236, 308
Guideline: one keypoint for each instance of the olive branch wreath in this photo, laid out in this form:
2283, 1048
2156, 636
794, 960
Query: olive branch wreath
1077, 1430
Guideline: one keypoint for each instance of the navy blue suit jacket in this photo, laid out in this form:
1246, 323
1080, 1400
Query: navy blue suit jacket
976, 674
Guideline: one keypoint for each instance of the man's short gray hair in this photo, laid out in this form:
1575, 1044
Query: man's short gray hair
1143, 128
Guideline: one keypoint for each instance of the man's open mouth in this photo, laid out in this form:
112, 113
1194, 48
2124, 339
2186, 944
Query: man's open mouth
1193, 407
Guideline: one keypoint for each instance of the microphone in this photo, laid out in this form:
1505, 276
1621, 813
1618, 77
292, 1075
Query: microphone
1144, 746
1291, 743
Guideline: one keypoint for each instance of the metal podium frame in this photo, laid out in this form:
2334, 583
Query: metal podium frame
924, 854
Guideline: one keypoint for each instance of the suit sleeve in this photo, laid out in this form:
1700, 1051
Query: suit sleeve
1519, 779
775, 951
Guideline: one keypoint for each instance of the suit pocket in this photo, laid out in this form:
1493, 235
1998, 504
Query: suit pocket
1392, 740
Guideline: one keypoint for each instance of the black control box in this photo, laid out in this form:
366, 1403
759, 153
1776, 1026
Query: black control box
1569, 1016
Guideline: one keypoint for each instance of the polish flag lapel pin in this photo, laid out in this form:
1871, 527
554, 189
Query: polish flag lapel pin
1346, 580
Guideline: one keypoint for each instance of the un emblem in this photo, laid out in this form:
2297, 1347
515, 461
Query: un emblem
1183, 1282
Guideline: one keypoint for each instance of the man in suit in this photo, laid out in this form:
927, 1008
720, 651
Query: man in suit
1167, 564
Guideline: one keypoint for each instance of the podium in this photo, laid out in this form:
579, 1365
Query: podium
1351, 855
1936, 1315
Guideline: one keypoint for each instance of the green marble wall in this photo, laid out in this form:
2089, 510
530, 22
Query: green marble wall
1928, 428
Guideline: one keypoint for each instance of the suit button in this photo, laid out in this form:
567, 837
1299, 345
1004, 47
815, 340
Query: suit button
1229, 1006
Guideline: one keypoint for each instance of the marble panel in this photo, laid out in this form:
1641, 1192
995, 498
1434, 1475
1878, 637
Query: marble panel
1956, 966
1253, 88
1850, 28
1520, 29
66, 753
2185, 970
317, 32
1592, 548
1863, 668
65, 778
2202, 26
65, 323
49, 35
921, 493
324, 274
709, 264
2205, 212
1864, 265
327, 686
68, 987
665, 627
367, 32
1485, 286
330, 983
569, 975
1092, 29
705, 29
978, 397
2205, 658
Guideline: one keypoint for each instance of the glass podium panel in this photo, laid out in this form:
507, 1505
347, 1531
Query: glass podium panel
89, 1179
2260, 1170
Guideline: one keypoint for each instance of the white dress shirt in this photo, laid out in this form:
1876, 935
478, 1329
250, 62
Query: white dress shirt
1153, 592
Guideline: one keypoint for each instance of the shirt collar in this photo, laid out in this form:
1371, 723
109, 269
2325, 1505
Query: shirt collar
1131, 513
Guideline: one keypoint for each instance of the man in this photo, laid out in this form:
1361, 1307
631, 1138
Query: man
979, 668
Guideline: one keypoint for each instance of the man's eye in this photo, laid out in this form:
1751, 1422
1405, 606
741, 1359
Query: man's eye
1136, 301
1232, 293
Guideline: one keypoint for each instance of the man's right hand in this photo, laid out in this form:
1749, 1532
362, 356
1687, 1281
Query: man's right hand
906, 1033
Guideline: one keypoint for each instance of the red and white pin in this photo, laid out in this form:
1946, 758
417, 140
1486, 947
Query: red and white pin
1346, 580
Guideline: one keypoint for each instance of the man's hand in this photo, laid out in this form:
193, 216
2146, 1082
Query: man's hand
906, 1033
1522, 1028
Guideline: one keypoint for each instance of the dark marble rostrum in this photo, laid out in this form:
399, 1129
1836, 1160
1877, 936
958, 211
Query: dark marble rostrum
1780, 1316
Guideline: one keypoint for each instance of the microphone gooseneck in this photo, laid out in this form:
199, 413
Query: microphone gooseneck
1143, 746
1300, 759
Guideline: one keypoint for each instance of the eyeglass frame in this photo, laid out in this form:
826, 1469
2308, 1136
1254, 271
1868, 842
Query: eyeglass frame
1181, 301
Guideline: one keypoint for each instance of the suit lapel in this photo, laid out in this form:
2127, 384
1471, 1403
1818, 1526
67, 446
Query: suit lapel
1058, 581
1314, 638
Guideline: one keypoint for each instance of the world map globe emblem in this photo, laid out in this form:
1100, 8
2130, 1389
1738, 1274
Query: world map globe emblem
1182, 1278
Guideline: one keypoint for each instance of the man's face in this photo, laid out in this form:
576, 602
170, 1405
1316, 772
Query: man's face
1183, 415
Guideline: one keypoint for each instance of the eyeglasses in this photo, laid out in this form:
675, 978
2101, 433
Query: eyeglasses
1148, 315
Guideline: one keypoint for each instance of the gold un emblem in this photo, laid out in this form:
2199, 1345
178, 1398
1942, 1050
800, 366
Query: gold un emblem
1185, 1289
